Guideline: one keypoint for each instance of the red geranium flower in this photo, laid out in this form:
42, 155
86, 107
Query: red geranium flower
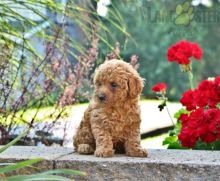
196, 51
159, 87
206, 95
203, 121
199, 125
188, 100
182, 51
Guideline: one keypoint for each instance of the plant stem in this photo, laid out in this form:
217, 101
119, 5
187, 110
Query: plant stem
165, 101
169, 115
190, 76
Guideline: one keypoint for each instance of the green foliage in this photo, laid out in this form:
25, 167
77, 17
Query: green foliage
47, 175
172, 141
48, 51
19, 165
207, 146
14, 141
29, 66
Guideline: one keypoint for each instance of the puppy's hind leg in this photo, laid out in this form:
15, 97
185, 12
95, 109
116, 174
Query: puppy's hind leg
84, 141
132, 144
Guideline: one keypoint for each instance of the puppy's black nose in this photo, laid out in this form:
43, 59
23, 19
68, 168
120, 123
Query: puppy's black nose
102, 97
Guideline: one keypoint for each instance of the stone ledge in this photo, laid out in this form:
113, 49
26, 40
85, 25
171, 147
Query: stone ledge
160, 165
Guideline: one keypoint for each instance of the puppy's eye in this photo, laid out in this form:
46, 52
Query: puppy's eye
98, 84
114, 85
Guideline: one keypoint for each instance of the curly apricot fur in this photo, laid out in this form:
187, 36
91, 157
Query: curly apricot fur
112, 120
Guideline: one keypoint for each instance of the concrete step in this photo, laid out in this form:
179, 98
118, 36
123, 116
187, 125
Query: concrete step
160, 165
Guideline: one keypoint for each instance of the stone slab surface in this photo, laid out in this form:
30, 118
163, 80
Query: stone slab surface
29, 152
160, 165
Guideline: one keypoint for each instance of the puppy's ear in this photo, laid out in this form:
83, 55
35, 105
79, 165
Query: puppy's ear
135, 85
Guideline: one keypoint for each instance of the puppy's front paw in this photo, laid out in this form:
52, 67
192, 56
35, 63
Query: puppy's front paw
85, 149
138, 152
103, 153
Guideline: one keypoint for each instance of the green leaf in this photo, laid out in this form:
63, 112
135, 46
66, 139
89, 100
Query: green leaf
170, 139
175, 145
172, 142
216, 145
64, 171
19, 165
14, 141
48, 175
200, 145
37, 177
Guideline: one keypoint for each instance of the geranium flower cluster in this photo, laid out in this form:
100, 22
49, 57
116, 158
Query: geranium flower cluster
203, 121
159, 87
182, 51
206, 95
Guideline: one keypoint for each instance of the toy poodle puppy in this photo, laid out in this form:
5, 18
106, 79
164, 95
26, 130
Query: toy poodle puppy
112, 120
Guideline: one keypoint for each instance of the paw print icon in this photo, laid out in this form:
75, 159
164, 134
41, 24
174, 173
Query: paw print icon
184, 14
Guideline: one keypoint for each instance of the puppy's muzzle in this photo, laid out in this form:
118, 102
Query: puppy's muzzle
102, 97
